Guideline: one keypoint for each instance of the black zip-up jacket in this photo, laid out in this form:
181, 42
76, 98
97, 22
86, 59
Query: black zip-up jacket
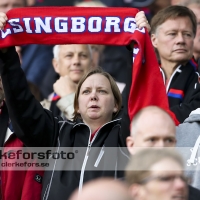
183, 90
37, 127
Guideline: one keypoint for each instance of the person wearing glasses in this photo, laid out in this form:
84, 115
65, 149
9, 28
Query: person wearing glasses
157, 174
152, 127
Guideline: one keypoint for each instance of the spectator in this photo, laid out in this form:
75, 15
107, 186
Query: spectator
151, 127
97, 102
153, 174
71, 62
6, 5
103, 189
51, 76
188, 140
37, 59
15, 185
172, 33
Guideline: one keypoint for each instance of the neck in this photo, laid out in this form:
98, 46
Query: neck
169, 68
94, 124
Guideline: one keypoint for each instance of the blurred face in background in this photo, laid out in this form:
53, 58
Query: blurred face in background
166, 181
73, 60
196, 9
6, 5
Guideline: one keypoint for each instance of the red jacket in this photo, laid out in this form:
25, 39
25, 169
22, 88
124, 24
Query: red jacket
18, 185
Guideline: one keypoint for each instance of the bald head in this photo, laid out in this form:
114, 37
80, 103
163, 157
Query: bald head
152, 127
152, 118
103, 189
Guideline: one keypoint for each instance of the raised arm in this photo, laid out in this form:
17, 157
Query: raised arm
34, 125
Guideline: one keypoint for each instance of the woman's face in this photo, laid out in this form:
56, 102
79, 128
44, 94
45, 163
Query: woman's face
96, 100
165, 182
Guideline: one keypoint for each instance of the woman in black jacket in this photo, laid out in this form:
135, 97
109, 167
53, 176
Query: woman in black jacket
97, 124
97, 101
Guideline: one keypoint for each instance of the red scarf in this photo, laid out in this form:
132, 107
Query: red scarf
81, 25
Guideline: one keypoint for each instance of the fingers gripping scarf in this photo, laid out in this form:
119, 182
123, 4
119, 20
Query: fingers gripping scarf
105, 26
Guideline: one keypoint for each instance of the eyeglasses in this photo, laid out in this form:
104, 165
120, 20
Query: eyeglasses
165, 178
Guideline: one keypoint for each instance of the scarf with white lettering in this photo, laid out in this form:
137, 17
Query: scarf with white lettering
105, 26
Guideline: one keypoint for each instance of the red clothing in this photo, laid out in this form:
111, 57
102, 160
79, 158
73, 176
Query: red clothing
19, 185
93, 134
16, 185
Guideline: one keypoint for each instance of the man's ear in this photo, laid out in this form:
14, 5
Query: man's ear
55, 65
130, 144
154, 40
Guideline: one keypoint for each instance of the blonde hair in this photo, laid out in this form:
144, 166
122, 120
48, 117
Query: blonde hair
140, 164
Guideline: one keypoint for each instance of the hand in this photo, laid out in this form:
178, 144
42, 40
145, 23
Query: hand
64, 86
3, 19
141, 21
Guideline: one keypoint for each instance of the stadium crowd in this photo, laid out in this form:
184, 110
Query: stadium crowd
80, 96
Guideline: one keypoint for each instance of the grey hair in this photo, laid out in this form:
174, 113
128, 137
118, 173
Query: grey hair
139, 166
56, 50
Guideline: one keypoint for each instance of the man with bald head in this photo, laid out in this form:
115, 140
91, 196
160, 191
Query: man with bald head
151, 127
103, 189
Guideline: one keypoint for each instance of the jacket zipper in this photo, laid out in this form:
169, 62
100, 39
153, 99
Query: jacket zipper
99, 157
46, 191
87, 154
84, 163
